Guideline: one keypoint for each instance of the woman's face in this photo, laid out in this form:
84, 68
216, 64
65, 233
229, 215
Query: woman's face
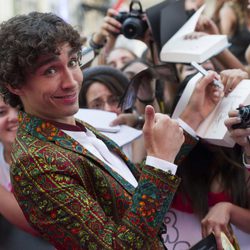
8, 123
98, 96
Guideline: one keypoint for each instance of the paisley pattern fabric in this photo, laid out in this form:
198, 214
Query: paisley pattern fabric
76, 201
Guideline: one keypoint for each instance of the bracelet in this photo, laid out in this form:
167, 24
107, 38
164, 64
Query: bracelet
96, 47
244, 158
247, 156
146, 102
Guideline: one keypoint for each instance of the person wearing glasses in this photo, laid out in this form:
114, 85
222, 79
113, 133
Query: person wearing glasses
103, 87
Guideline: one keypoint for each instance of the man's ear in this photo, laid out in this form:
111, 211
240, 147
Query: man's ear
16, 91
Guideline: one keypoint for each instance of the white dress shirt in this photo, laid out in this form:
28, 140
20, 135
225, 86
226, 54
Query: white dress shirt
98, 148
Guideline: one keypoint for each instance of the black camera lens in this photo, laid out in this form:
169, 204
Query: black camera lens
133, 28
244, 114
133, 25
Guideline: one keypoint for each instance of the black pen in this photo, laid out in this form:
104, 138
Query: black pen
204, 72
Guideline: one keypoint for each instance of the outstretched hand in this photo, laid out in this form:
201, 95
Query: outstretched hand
241, 135
109, 28
217, 220
207, 25
128, 119
231, 78
162, 135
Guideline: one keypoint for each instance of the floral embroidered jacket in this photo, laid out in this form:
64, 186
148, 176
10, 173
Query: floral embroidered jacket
78, 202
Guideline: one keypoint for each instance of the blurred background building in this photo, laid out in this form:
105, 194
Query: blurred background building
79, 13
85, 15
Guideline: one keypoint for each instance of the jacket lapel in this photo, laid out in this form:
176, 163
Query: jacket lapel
46, 131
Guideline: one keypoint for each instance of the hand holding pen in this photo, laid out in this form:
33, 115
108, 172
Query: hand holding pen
204, 72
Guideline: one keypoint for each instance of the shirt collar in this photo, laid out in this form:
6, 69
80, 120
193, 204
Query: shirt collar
78, 127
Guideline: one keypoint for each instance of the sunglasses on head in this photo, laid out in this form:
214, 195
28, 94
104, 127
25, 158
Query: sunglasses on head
156, 72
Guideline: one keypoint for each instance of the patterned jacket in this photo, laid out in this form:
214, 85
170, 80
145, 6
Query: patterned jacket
78, 202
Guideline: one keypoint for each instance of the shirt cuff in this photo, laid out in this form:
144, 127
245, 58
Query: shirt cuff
161, 164
244, 162
187, 128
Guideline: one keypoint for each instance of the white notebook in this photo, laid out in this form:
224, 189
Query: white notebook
181, 50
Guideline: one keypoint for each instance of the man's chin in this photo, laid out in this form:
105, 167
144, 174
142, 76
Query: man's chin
72, 111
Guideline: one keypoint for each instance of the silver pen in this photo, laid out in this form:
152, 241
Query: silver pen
204, 72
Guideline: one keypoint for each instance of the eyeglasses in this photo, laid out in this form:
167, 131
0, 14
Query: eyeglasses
160, 72
99, 103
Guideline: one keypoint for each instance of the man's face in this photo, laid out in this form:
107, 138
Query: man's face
51, 90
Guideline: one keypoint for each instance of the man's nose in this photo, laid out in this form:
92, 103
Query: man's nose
68, 79
13, 115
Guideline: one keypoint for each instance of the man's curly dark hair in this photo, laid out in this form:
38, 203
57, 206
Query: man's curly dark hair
23, 39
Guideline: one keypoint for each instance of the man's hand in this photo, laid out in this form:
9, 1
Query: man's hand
163, 136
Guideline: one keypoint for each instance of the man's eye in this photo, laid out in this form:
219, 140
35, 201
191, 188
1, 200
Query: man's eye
50, 71
73, 62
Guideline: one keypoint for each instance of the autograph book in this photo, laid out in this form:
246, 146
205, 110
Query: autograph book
181, 50
212, 129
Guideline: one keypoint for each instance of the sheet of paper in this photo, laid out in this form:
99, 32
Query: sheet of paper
125, 135
184, 99
99, 119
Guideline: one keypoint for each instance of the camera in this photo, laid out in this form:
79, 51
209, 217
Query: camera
244, 113
133, 25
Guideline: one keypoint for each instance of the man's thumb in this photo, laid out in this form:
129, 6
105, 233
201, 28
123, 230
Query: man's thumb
149, 116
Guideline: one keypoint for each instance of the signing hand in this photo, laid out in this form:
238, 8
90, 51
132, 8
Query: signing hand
203, 100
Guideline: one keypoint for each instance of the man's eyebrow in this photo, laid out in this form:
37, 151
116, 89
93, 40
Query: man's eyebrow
49, 59
46, 61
